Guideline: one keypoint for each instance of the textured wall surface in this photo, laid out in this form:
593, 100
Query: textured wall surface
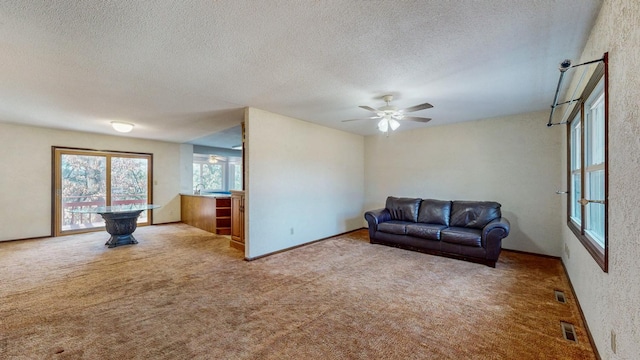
611, 302
305, 182
513, 160
25, 175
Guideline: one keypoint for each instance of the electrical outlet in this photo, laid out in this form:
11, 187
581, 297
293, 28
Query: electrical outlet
613, 341
566, 251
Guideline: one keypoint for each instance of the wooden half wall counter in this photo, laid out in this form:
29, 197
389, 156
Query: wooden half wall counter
209, 213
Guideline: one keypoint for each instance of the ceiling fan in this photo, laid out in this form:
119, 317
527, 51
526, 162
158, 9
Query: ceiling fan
390, 116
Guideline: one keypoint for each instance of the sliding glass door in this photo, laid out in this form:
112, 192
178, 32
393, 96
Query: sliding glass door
130, 182
83, 184
85, 179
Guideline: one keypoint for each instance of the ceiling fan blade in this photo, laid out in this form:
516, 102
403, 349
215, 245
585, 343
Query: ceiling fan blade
369, 108
418, 107
417, 118
369, 118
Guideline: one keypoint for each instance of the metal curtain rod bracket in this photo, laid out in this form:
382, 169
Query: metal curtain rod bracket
564, 66
589, 62
568, 102
558, 123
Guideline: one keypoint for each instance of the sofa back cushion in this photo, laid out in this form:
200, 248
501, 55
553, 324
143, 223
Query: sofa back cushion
403, 209
434, 212
474, 214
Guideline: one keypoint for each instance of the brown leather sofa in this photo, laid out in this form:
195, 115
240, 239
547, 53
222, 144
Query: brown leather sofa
467, 230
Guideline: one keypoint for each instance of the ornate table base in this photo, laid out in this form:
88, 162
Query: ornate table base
121, 226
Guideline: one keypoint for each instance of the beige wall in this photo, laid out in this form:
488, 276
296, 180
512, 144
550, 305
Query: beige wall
25, 175
513, 160
612, 301
301, 176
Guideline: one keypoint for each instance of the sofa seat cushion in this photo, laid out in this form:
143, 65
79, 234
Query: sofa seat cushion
462, 236
394, 227
425, 231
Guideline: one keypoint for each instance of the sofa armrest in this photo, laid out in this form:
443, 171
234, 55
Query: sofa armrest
492, 235
376, 217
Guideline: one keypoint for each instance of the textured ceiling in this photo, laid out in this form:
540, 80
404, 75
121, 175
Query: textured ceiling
183, 70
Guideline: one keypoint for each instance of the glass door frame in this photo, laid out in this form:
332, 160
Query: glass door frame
56, 184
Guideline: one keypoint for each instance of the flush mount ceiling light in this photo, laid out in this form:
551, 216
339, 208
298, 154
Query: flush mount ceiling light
237, 147
390, 116
122, 127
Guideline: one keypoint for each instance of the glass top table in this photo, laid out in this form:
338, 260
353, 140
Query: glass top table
115, 209
120, 221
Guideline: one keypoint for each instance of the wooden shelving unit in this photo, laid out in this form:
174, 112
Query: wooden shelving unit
223, 216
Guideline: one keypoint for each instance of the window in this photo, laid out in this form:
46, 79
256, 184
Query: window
235, 174
594, 168
86, 179
575, 177
215, 173
208, 176
587, 175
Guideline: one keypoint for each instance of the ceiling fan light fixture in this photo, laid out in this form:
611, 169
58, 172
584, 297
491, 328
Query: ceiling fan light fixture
383, 125
390, 116
394, 124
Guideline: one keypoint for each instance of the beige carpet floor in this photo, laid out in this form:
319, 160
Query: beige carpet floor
182, 293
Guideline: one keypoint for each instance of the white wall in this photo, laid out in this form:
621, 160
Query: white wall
301, 176
25, 175
612, 301
186, 168
512, 160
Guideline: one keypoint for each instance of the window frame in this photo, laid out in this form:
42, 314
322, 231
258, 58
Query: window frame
233, 166
575, 170
56, 184
223, 175
227, 165
599, 253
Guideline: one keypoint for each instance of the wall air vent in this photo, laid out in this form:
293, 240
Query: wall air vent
560, 296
